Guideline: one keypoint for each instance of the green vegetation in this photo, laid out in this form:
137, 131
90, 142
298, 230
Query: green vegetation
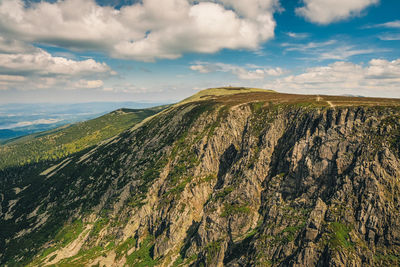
65, 236
291, 231
123, 248
212, 250
222, 91
180, 187
61, 142
98, 225
83, 257
387, 259
222, 114
69, 233
339, 236
230, 209
288, 234
180, 262
142, 256
226, 191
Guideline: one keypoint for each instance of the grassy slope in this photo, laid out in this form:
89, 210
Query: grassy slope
212, 93
246, 95
69, 139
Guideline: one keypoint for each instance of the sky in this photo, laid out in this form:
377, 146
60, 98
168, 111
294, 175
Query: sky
163, 51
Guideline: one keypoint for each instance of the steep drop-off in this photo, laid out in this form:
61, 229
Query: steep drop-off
249, 179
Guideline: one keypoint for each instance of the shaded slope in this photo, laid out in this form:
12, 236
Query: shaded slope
60, 142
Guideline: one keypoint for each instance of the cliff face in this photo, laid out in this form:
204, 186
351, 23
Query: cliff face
255, 179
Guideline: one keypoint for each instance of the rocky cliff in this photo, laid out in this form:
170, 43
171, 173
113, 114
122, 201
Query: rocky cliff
247, 179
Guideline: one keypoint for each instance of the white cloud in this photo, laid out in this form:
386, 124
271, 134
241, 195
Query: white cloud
249, 72
90, 84
12, 78
328, 11
128, 87
34, 68
297, 35
389, 37
201, 68
303, 47
14, 46
390, 24
143, 31
330, 49
42, 63
378, 78
344, 52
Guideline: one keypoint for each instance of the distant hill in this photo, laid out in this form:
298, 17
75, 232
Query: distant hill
62, 141
20, 119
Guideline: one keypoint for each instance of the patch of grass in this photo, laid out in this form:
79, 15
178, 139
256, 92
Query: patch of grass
98, 225
69, 233
230, 209
178, 261
124, 247
291, 231
52, 257
209, 178
257, 106
142, 256
222, 91
339, 236
226, 191
82, 258
180, 187
212, 250
387, 259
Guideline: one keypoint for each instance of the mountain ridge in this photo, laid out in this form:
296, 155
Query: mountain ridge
249, 179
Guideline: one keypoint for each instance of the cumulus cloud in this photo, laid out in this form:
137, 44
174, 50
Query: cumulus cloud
145, 31
378, 78
42, 63
327, 11
27, 67
249, 72
8, 46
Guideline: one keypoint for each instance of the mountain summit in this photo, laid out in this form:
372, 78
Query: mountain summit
228, 177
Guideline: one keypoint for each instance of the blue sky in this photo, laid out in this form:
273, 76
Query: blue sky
163, 51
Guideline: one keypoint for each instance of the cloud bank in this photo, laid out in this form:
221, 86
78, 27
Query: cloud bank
44, 64
378, 78
145, 31
328, 11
